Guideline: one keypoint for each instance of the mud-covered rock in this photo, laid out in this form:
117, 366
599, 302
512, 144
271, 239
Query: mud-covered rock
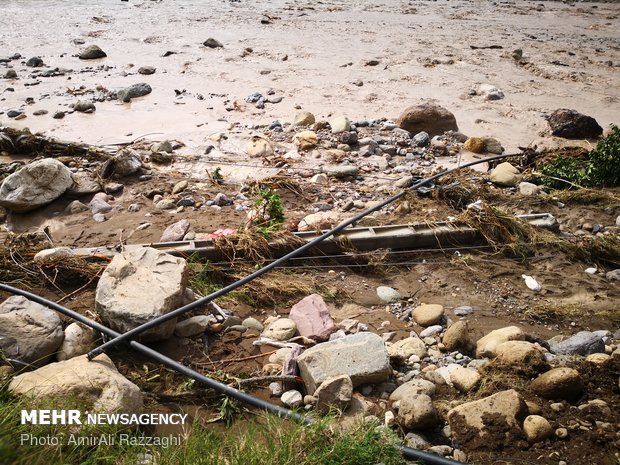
571, 124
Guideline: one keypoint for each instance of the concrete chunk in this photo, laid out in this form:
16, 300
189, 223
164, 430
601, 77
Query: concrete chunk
362, 356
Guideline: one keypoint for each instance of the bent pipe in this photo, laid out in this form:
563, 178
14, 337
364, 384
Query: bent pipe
231, 287
408, 453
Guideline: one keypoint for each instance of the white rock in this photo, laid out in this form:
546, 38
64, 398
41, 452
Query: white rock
292, 398
465, 379
281, 329
531, 283
78, 341
487, 345
407, 347
388, 294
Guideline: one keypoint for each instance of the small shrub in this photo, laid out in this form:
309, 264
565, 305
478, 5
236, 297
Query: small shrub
600, 168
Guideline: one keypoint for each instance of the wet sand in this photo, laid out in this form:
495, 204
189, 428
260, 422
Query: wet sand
571, 55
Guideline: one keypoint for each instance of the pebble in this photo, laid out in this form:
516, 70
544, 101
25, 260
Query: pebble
292, 398
146, 70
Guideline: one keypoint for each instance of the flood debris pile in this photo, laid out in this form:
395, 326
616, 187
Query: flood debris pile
400, 344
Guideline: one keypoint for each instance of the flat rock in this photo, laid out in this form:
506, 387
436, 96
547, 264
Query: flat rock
212, 43
528, 189
489, 421
410, 388
36, 184
78, 340
319, 221
99, 203
97, 384
29, 332
464, 379
305, 140
486, 346
417, 412
582, 343
312, 318
407, 347
193, 326
559, 383
146, 70
139, 285
83, 184
281, 329
92, 52
427, 314
428, 117
334, 393
135, 90
361, 356
340, 171
571, 124
388, 294
176, 231
505, 175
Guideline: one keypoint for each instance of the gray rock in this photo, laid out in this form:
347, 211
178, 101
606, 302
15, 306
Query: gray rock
463, 310
292, 398
136, 90
146, 70
404, 182
29, 332
416, 441
221, 200
97, 384
76, 207
413, 387
527, 188
78, 340
99, 217
99, 203
490, 92
139, 285
58, 115
10, 74
252, 323
83, 184
421, 139
35, 62
613, 275
35, 185
407, 347
341, 171
334, 392
388, 294
166, 204
193, 326
84, 106
212, 43
582, 343
362, 356
126, 162
431, 331
175, 232
92, 52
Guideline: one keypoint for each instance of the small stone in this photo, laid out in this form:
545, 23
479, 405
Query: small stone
193, 326
58, 115
92, 52
431, 331
146, 70
76, 207
388, 294
561, 433
292, 398
415, 386
175, 232
465, 379
10, 74
334, 392
84, 106
180, 187
537, 428
136, 90
417, 412
252, 323
340, 124
463, 310
457, 337
505, 175
212, 43
281, 329
528, 189
304, 118
35, 62
407, 347
427, 314
474, 144
490, 92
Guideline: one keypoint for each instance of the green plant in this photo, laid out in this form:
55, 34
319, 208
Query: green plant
216, 175
600, 168
269, 211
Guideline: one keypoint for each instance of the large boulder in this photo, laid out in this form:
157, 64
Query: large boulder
428, 117
571, 124
312, 318
362, 356
35, 185
139, 285
29, 332
96, 384
488, 422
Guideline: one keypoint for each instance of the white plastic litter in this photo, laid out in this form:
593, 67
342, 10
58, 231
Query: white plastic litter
531, 283
590, 270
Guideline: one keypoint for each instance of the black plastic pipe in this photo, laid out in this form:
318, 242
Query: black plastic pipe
231, 287
408, 453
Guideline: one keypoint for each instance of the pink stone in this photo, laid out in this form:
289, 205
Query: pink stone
312, 318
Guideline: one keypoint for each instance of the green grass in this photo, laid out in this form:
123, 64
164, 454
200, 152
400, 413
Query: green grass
262, 440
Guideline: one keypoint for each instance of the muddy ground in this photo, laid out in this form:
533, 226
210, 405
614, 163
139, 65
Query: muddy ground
316, 55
